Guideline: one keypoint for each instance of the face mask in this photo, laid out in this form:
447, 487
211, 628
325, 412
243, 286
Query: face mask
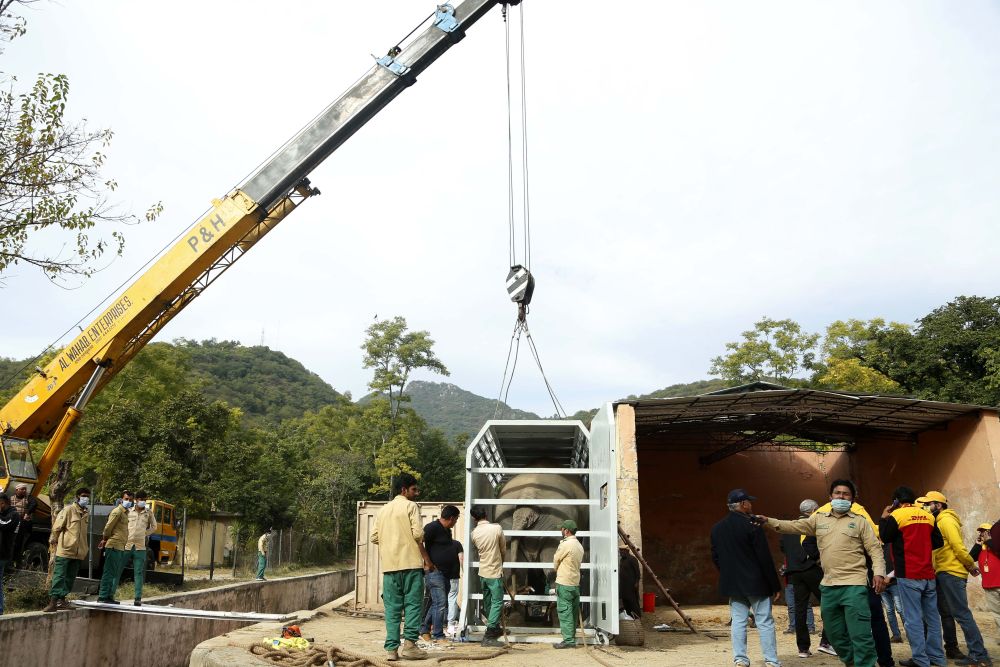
840, 505
84, 501
126, 504
141, 504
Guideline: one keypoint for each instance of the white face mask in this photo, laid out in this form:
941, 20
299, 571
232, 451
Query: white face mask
83, 501
126, 504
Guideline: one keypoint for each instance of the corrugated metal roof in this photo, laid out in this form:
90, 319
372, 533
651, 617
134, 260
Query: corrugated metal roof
823, 416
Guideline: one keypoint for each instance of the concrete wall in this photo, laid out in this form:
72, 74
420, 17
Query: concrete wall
681, 500
95, 639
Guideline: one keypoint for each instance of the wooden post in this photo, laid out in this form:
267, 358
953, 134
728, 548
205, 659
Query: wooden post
211, 555
656, 580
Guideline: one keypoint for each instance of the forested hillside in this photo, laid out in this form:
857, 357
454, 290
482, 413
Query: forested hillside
455, 410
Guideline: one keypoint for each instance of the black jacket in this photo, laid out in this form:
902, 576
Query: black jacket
739, 550
8, 523
800, 555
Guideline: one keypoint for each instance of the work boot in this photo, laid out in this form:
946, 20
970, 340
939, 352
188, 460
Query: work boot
137, 602
563, 645
62, 604
954, 653
52, 606
107, 600
392, 656
491, 642
411, 652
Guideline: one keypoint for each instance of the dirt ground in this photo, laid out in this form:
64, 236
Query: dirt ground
710, 648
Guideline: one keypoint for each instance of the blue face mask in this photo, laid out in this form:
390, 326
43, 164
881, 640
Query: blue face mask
83, 501
141, 504
840, 505
126, 504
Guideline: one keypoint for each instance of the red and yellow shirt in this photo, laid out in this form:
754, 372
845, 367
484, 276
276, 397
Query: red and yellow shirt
912, 537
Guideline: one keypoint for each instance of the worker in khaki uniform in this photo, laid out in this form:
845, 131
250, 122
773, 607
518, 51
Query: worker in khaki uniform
844, 539
399, 534
492, 548
263, 543
567, 561
141, 525
69, 539
113, 539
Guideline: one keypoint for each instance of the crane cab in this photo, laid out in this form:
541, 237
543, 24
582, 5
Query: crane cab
16, 464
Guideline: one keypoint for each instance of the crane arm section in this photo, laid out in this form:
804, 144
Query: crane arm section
233, 225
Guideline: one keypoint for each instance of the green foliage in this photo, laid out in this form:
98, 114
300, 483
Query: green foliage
393, 353
772, 350
953, 353
52, 180
265, 384
454, 410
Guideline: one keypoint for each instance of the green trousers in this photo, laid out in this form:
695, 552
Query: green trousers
114, 564
63, 576
847, 619
568, 608
261, 564
492, 600
138, 557
403, 599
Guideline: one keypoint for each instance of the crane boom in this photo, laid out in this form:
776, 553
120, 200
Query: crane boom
52, 401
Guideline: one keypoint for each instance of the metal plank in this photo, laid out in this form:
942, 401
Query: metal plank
535, 598
532, 501
547, 533
520, 565
180, 612
534, 471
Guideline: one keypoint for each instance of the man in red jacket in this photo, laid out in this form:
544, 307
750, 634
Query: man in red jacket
987, 554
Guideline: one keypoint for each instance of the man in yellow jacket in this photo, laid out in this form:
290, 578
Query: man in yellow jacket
113, 539
952, 567
69, 539
567, 561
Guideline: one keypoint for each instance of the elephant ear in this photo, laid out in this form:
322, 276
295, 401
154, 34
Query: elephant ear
524, 517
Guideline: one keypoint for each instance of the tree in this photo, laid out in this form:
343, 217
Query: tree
773, 349
849, 351
953, 354
50, 176
394, 353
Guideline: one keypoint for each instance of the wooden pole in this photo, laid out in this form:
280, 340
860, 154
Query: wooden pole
663, 589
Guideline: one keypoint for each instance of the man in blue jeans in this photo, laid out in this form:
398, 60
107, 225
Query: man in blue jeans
747, 576
441, 551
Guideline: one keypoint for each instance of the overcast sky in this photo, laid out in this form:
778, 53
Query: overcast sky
694, 166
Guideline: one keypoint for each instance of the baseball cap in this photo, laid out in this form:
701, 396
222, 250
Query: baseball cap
932, 497
568, 524
739, 495
985, 526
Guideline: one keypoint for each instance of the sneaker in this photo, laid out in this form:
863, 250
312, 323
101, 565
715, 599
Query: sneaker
789, 631
564, 645
826, 648
411, 652
740, 663
426, 637
52, 606
908, 663
974, 663
392, 656
805, 654
62, 604
954, 654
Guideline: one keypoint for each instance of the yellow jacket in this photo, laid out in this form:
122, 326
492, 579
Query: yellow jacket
952, 558
116, 529
69, 533
398, 534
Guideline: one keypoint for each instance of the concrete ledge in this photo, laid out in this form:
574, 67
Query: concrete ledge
94, 638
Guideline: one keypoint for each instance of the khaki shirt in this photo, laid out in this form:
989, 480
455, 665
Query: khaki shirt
263, 543
398, 534
69, 533
489, 540
140, 526
567, 561
116, 529
843, 542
